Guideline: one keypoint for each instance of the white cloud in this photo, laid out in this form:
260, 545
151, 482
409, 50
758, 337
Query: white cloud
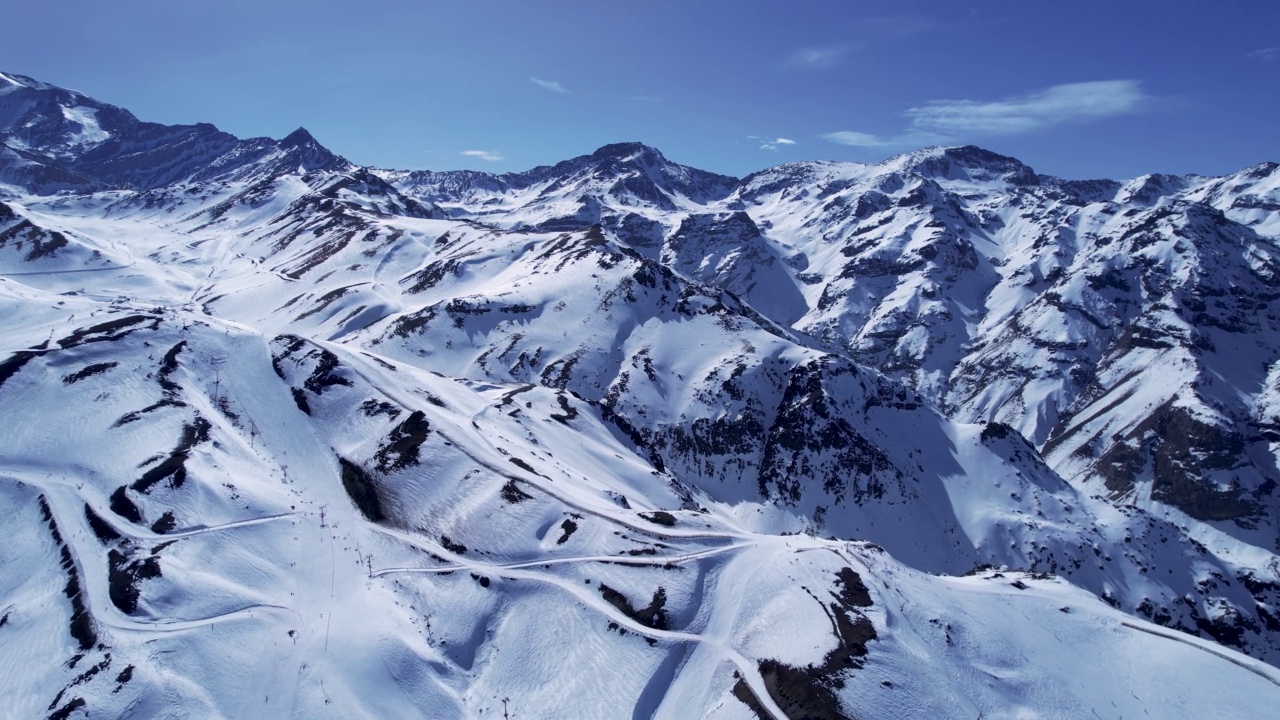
551, 85
857, 139
482, 155
771, 144
907, 139
816, 57
1053, 106
1267, 54
941, 121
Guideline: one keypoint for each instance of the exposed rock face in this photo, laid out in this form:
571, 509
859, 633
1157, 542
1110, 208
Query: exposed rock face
996, 293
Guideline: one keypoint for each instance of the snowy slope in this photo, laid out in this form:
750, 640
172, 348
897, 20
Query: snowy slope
299, 438
456, 598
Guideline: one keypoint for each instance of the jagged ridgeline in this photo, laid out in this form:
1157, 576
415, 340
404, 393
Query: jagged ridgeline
933, 437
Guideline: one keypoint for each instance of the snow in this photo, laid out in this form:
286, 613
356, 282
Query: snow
390, 465
86, 118
10, 86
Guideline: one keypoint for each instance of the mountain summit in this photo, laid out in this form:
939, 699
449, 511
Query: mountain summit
610, 185
968, 163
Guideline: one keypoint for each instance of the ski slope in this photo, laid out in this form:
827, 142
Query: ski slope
618, 438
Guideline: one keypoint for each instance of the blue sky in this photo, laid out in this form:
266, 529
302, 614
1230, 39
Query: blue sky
1081, 89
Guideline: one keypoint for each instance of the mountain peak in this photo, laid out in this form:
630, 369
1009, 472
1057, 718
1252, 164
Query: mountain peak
10, 80
1260, 170
980, 155
298, 138
623, 148
625, 151
966, 162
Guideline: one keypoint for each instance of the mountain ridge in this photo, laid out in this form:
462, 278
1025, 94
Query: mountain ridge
72, 142
619, 405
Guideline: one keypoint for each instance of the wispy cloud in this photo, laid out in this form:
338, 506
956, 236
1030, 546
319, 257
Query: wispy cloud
551, 85
865, 33
817, 57
482, 155
856, 139
771, 143
1267, 54
1053, 106
906, 139
946, 120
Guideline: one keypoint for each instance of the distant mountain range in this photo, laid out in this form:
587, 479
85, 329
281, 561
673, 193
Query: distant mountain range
933, 437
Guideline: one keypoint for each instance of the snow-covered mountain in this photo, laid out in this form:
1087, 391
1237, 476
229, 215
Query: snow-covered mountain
936, 437
59, 140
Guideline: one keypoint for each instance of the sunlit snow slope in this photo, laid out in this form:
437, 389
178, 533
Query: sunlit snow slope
288, 437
